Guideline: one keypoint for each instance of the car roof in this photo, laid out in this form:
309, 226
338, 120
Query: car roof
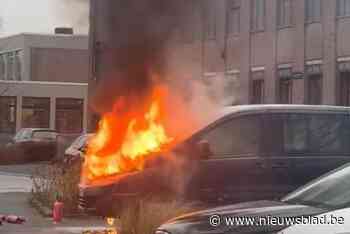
39, 129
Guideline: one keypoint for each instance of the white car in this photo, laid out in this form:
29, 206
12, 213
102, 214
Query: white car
336, 222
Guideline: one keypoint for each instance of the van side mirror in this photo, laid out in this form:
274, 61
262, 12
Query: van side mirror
83, 149
204, 151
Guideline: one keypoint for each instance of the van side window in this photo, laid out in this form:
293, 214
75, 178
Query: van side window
295, 133
236, 137
307, 133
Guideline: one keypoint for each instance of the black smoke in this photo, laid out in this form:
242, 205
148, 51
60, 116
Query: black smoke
138, 34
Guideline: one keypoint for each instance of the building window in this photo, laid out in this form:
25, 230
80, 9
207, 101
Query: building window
18, 65
343, 8
210, 22
10, 65
345, 88
257, 87
313, 11
185, 31
257, 15
233, 17
344, 76
69, 115
2, 67
284, 13
314, 84
35, 112
10, 62
285, 86
8, 114
231, 87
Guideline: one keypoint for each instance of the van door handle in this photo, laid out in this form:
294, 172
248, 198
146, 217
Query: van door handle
279, 165
260, 165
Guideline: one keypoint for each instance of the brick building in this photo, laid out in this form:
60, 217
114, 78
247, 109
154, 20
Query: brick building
279, 51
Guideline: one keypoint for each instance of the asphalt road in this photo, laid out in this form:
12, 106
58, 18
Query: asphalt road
15, 184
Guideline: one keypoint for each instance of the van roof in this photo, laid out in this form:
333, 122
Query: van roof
282, 108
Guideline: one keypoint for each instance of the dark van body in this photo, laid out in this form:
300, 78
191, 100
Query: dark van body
246, 153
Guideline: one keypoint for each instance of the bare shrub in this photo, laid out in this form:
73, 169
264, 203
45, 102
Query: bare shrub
146, 215
54, 180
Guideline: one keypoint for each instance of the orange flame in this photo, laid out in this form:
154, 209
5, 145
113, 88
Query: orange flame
125, 139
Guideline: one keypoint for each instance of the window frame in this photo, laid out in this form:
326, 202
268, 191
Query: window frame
310, 80
198, 136
233, 8
339, 14
254, 16
24, 106
15, 114
2, 67
257, 77
260, 84
211, 20
285, 77
344, 89
310, 19
282, 15
58, 108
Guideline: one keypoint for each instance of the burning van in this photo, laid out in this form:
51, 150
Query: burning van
244, 153
155, 138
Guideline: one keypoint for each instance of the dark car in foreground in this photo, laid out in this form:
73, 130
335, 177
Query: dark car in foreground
245, 153
34, 144
327, 193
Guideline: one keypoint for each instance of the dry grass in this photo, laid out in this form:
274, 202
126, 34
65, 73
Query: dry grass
148, 215
53, 180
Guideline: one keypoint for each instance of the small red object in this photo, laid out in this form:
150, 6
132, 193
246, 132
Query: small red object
13, 219
57, 212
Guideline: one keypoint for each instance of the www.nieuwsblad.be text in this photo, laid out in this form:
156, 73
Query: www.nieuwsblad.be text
217, 220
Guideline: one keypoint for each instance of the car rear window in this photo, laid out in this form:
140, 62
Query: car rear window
44, 135
23, 134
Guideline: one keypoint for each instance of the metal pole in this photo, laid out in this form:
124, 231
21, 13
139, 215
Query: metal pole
225, 39
203, 39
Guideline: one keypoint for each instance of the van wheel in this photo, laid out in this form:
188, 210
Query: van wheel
106, 207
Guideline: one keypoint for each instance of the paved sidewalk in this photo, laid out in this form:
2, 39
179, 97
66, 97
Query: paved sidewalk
25, 170
14, 187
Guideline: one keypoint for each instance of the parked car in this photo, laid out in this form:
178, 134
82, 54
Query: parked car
76, 151
325, 194
246, 153
34, 144
339, 228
